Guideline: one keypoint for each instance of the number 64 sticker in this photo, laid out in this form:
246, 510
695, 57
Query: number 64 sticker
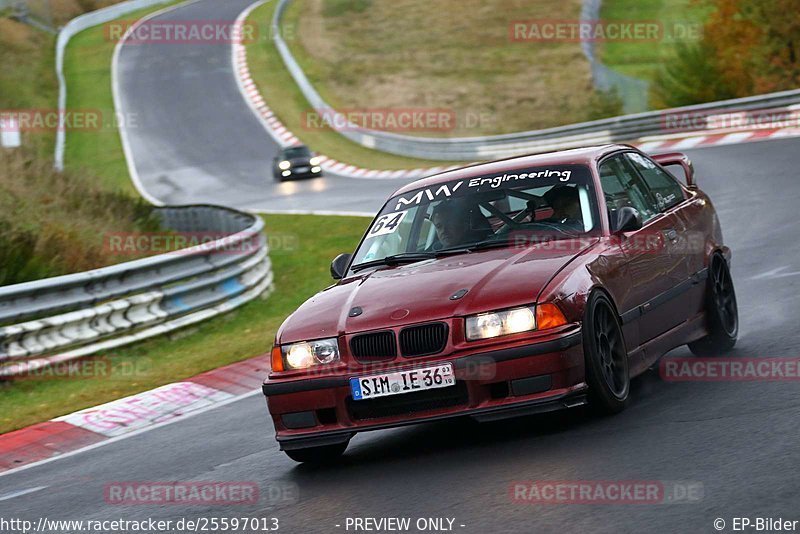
386, 224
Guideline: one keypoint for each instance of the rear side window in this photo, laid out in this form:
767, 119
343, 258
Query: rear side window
622, 187
665, 190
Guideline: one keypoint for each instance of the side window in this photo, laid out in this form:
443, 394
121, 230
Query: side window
663, 187
427, 235
623, 187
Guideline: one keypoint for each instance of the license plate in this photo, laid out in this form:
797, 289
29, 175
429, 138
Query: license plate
302, 169
371, 387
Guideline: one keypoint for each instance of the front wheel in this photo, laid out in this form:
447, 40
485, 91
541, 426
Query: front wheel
318, 455
722, 312
606, 357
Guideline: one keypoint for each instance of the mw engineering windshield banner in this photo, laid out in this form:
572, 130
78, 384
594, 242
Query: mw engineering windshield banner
524, 178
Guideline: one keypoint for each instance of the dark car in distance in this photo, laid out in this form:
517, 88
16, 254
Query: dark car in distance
520, 286
296, 162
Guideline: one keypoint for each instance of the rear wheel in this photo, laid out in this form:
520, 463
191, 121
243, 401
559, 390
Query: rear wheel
318, 455
606, 356
722, 312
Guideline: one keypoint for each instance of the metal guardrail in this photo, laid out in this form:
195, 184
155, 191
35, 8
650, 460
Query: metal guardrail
70, 30
37, 14
616, 129
68, 317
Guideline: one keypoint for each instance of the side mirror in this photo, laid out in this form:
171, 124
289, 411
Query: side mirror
339, 265
628, 220
678, 158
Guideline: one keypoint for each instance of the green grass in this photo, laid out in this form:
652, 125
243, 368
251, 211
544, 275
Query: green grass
287, 102
50, 223
27, 78
87, 68
241, 334
681, 21
300, 269
55, 223
457, 55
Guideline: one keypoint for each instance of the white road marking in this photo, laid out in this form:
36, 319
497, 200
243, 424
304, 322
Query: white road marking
131, 434
20, 493
775, 273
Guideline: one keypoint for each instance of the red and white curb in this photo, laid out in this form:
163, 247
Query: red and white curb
677, 141
284, 137
131, 415
714, 138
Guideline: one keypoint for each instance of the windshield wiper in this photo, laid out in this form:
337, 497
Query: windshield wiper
482, 245
395, 259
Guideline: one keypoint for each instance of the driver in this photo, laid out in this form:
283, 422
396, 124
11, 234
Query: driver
566, 206
457, 224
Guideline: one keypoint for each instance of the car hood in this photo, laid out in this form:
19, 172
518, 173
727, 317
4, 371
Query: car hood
419, 292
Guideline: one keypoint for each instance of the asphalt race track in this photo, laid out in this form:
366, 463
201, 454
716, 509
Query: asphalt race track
195, 140
740, 440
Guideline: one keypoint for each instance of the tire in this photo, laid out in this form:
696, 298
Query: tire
607, 369
325, 454
722, 312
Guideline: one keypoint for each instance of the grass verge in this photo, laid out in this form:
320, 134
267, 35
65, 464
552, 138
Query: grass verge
50, 223
681, 21
464, 56
287, 102
53, 223
301, 269
87, 69
27, 79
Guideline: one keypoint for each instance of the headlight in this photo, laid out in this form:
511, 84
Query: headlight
309, 353
315, 161
500, 323
284, 165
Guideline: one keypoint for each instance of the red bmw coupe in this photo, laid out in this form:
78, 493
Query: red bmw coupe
520, 286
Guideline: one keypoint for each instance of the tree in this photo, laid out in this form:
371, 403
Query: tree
748, 47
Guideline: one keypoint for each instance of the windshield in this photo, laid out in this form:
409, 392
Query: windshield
520, 206
297, 152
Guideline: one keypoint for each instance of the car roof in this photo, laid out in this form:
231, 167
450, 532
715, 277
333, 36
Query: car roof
586, 156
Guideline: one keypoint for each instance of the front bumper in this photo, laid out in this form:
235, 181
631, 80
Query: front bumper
295, 173
491, 385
